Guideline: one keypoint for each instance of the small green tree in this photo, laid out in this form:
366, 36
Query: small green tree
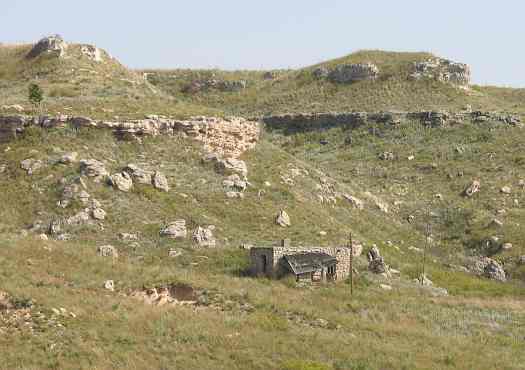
36, 97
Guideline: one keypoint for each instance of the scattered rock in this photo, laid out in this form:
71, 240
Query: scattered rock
31, 165
128, 236
472, 188
494, 270
98, 214
376, 263
94, 169
506, 190
386, 156
506, 246
109, 285
160, 181
283, 219
175, 230
43, 237
234, 194
16, 107
385, 287
424, 280
203, 237
355, 202
234, 181
55, 227
496, 223
107, 251
79, 218
68, 158
231, 166
174, 253
139, 175
121, 181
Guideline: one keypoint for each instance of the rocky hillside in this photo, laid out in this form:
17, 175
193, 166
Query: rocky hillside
78, 79
125, 236
367, 81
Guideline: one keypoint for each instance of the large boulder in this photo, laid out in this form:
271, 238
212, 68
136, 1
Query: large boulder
160, 181
489, 268
231, 166
203, 237
376, 263
31, 165
94, 169
121, 181
493, 270
138, 174
53, 45
283, 219
175, 230
472, 188
107, 251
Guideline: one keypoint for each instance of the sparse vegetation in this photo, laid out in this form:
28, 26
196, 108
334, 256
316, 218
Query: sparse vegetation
243, 322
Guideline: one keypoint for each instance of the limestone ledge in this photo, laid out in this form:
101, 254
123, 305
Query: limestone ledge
228, 137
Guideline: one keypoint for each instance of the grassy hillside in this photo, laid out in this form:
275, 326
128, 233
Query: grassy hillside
252, 323
300, 91
75, 84
55, 312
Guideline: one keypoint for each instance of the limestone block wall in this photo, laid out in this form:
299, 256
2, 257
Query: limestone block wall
274, 259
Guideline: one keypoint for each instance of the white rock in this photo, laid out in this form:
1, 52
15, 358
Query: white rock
121, 181
175, 230
283, 219
109, 285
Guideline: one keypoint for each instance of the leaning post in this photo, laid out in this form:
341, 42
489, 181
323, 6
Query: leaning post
351, 266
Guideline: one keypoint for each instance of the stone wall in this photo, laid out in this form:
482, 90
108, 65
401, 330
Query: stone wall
228, 137
274, 257
316, 121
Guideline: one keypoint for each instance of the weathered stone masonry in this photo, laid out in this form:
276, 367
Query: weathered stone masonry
268, 260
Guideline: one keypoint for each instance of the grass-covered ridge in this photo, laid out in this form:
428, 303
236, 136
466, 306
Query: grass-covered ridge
299, 91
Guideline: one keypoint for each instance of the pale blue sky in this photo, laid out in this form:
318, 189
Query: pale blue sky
242, 34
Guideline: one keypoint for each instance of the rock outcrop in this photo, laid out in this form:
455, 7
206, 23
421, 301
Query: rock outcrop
203, 237
160, 182
53, 45
348, 73
314, 121
94, 169
472, 189
92, 53
175, 230
228, 137
121, 181
376, 263
443, 70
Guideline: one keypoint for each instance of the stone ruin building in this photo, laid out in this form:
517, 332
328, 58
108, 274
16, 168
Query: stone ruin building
306, 263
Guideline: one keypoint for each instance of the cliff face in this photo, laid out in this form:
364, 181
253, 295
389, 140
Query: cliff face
228, 137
